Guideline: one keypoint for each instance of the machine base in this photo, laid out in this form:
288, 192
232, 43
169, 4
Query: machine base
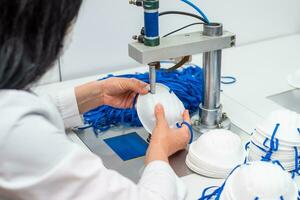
201, 128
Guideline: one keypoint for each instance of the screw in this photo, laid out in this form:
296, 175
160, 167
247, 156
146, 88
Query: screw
132, 2
136, 2
134, 37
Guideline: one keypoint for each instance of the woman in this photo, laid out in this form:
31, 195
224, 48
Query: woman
37, 161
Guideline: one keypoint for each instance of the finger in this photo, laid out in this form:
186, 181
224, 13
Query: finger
137, 86
132, 100
160, 115
127, 100
186, 116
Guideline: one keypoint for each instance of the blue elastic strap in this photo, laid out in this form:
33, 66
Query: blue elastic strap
207, 197
190, 130
278, 163
268, 156
197, 9
260, 148
274, 145
230, 80
296, 160
245, 161
293, 175
247, 145
216, 193
272, 149
298, 130
265, 143
273, 137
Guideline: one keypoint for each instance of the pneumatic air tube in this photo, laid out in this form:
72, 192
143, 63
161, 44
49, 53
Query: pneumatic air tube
151, 23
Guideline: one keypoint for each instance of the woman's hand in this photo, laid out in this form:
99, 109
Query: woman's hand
166, 141
115, 92
120, 92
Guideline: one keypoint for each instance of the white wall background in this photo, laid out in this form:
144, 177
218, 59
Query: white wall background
104, 28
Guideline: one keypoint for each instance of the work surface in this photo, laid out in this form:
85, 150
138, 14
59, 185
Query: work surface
261, 70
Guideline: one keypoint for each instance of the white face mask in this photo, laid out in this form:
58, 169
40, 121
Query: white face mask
277, 139
173, 107
287, 132
259, 180
216, 153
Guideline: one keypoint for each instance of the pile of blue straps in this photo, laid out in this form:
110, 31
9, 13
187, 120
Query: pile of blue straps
186, 83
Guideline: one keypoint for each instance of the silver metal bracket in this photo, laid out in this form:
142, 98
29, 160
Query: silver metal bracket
180, 45
224, 123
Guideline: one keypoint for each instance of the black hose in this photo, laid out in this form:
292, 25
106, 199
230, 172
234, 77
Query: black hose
184, 27
182, 13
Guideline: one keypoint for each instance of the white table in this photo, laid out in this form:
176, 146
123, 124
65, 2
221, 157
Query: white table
261, 71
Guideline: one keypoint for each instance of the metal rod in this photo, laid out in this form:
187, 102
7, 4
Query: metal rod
152, 79
211, 111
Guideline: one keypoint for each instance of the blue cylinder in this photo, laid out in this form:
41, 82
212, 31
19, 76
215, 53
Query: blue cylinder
151, 24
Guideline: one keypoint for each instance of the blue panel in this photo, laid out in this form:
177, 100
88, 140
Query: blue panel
128, 146
151, 24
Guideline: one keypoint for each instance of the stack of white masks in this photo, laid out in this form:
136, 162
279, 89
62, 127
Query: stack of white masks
259, 181
216, 153
173, 107
277, 139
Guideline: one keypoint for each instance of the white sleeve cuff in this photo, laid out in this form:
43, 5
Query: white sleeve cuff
66, 103
160, 178
161, 166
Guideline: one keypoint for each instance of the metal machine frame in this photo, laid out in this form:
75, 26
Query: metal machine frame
210, 42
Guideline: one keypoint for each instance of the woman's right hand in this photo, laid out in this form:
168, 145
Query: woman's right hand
166, 141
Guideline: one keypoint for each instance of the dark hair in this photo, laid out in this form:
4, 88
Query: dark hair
31, 37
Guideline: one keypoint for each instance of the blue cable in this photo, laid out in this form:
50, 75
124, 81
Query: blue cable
197, 9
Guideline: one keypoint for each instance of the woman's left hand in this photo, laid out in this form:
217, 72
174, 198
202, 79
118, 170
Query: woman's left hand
120, 92
115, 92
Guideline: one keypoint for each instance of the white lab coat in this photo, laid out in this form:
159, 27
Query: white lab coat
38, 161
